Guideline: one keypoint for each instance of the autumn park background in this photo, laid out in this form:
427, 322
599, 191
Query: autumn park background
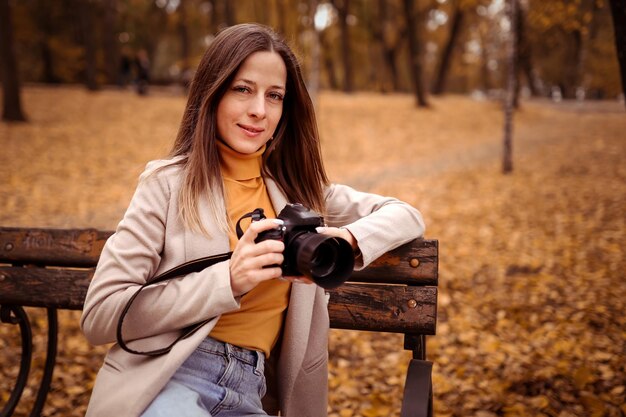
415, 99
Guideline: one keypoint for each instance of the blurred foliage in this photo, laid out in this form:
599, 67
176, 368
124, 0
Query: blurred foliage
571, 40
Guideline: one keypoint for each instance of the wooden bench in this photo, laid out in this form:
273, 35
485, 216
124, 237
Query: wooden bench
52, 268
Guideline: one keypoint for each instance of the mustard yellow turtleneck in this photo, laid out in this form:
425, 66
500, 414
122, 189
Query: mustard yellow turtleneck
257, 324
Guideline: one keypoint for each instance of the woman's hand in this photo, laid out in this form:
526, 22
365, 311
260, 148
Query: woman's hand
249, 258
340, 232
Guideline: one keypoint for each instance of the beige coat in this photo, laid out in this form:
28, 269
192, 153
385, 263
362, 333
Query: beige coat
151, 239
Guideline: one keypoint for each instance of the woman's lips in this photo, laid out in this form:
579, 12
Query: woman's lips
251, 130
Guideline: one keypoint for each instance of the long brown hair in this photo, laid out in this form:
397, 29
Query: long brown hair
292, 159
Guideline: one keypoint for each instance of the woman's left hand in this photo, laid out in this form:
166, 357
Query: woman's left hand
339, 232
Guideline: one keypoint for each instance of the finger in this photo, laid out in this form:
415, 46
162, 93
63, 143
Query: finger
267, 246
267, 259
253, 250
257, 227
269, 273
329, 231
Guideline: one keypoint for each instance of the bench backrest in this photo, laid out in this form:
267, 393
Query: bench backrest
53, 268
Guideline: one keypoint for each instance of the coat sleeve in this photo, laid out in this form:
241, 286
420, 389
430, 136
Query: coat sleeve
379, 224
130, 258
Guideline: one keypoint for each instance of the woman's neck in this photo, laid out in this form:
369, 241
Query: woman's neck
238, 166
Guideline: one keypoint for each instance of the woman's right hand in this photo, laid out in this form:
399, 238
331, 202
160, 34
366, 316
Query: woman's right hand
249, 258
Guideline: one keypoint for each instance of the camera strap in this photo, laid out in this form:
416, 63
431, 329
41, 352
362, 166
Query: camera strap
196, 265
255, 215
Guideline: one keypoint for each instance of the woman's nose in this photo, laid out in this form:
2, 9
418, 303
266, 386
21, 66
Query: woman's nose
257, 107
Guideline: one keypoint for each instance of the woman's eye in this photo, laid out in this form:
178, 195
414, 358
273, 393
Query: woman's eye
241, 89
276, 96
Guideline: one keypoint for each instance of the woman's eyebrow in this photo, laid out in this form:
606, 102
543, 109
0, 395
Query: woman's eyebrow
253, 83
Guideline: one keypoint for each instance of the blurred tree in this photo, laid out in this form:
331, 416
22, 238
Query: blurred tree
314, 40
12, 105
415, 64
86, 12
225, 12
485, 72
343, 9
523, 65
569, 39
507, 160
183, 31
563, 45
278, 16
261, 11
329, 61
456, 22
618, 11
44, 17
110, 44
385, 33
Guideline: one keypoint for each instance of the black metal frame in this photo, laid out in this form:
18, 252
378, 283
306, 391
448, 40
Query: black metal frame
416, 343
14, 314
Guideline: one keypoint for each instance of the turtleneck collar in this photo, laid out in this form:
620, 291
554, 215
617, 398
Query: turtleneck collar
239, 166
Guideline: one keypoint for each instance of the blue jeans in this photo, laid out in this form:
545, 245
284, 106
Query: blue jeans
217, 380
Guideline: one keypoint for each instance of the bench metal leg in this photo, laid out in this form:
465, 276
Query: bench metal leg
418, 388
16, 315
13, 314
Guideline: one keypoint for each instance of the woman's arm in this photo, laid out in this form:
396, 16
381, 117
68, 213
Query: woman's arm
131, 257
378, 224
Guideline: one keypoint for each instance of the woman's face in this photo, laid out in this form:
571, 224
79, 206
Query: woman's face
249, 111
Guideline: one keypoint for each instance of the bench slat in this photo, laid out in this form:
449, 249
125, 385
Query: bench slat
412, 263
388, 308
42, 287
354, 306
58, 247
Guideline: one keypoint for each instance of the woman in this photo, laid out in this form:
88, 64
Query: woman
248, 139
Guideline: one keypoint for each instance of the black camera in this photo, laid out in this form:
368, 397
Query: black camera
327, 260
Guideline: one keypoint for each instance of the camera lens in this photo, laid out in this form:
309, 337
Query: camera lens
325, 259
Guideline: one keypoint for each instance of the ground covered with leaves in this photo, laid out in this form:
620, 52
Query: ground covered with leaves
532, 296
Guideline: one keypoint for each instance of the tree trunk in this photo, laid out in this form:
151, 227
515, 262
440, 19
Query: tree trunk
485, 76
571, 77
329, 62
314, 70
507, 160
446, 57
618, 10
381, 27
224, 14
524, 56
12, 110
45, 26
110, 45
89, 44
261, 11
229, 13
183, 32
343, 8
282, 24
414, 54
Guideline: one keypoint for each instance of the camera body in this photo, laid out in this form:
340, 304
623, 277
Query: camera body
327, 260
